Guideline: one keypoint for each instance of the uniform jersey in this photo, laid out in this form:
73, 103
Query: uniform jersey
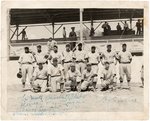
55, 71
93, 57
67, 56
26, 58
40, 74
108, 56
56, 55
124, 56
40, 57
71, 74
79, 55
107, 74
87, 75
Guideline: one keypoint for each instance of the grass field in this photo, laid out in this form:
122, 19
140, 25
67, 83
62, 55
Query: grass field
118, 100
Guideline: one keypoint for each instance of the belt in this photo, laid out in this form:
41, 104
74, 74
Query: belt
41, 63
68, 62
79, 62
56, 76
92, 64
27, 63
125, 62
42, 78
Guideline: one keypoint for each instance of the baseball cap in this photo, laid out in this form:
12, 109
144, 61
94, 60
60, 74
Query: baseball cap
38, 45
55, 59
72, 27
88, 64
26, 47
72, 64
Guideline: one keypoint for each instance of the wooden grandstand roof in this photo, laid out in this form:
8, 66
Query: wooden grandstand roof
38, 16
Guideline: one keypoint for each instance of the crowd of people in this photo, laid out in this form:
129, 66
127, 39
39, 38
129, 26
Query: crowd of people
73, 71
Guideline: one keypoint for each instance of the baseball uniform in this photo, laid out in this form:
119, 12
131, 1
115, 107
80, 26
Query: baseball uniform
107, 77
56, 55
67, 58
94, 59
110, 57
80, 59
125, 66
56, 76
40, 57
50, 45
40, 77
87, 79
26, 60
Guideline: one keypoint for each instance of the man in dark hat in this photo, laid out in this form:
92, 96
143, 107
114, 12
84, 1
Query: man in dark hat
73, 37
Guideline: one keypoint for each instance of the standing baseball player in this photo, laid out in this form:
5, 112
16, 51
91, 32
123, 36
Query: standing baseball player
79, 57
26, 61
67, 57
94, 59
73, 79
107, 77
50, 45
56, 75
55, 54
125, 59
40, 78
40, 55
89, 78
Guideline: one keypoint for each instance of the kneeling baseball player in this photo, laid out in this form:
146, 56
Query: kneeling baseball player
107, 77
89, 78
56, 76
40, 78
73, 79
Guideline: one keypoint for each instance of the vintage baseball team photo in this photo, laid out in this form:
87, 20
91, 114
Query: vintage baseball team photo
76, 60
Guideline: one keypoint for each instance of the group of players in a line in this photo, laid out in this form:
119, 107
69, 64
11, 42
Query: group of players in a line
74, 71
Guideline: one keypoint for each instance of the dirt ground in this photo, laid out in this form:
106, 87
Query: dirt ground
119, 100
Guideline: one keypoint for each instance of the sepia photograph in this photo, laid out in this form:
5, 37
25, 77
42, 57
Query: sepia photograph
71, 60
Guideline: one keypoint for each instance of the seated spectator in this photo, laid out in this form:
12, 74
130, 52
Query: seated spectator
118, 27
106, 28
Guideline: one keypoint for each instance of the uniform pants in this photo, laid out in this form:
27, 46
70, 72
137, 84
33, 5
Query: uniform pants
125, 69
54, 82
66, 67
27, 69
86, 83
81, 67
95, 69
106, 83
41, 83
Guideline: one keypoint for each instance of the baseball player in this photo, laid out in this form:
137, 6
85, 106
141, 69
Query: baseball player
40, 55
93, 58
67, 57
125, 59
26, 61
50, 45
56, 75
55, 54
73, 79
40, 78
107, 77
79, 57
89, 78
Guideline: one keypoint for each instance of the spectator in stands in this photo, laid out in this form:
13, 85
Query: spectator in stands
73, 37
64, 33
118, 27
24, 35
106, 28
126, 27
92, 32
139, 26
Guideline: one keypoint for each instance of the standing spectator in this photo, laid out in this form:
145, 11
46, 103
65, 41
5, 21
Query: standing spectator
108, 29
64, 33
126, 27
118, 27
73, 37
138, 25
92, 32
104, 26
24, 35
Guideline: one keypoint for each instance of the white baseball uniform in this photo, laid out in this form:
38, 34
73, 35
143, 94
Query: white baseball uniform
50, 45
125, 66
94, 59
87, 79
26, 60
80, 59
57, 55
41, 77
40, 57
56, 76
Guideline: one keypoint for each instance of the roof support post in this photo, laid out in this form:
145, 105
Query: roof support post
81, 24
58, 28
13, 33
17, 32
86, 26
98, 26
53, 29
130, 23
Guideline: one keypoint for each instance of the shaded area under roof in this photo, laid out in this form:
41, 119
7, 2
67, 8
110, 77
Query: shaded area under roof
38, 16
